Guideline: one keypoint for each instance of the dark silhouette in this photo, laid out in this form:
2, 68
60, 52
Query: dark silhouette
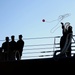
63, 37
1, 54
20, 45
65, 42
70, 32
62, 41
12, 48
64, 30
6, 48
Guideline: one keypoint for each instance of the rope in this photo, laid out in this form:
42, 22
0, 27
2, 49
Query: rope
60, 18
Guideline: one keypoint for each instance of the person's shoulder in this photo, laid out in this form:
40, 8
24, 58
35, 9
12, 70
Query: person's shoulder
3, 43
17, 40
23, 40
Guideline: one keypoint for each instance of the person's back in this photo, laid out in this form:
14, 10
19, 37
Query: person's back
13, 43
6, 47
62, 42
20, 45
1, 54
65, 45
70, 32
12, 47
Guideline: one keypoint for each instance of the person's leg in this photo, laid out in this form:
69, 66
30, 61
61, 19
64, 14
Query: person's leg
18, 55
68, 54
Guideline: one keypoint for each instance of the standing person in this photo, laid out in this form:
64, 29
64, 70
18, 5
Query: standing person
20, 45
1, 54
12, 47
6, 48
63, 37
70, 33
62, 42
66, 42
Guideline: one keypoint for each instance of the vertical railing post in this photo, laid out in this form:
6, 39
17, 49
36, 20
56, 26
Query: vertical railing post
54, 45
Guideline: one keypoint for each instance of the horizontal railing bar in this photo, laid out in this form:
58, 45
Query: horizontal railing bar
38, 45
38, 48
38, 56
38, 52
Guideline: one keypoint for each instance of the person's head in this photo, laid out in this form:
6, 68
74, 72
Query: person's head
20, 37
70, 29
12, 37
7, 39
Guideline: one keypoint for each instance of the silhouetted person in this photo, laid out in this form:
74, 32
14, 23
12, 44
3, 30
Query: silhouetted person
62, 41
1, 54
6, 48
63, 37
64, 30
20, 45
65, 42
70, 32
12, 47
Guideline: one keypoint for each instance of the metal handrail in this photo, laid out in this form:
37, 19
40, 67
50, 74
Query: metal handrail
48, 51
43, 50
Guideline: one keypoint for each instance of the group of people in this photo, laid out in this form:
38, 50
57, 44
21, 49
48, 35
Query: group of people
65, 42
12, 50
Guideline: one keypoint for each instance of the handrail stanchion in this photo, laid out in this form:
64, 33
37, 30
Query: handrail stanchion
54, 45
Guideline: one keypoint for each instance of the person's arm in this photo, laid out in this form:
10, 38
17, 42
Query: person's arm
62, 25
3, 47
23, 43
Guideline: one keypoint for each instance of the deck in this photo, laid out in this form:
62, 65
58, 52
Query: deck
39, 58
36, 65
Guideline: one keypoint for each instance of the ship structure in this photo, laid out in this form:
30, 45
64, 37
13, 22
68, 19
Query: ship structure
51, 55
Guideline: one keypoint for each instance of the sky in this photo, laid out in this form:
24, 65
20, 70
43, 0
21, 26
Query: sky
25, 17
